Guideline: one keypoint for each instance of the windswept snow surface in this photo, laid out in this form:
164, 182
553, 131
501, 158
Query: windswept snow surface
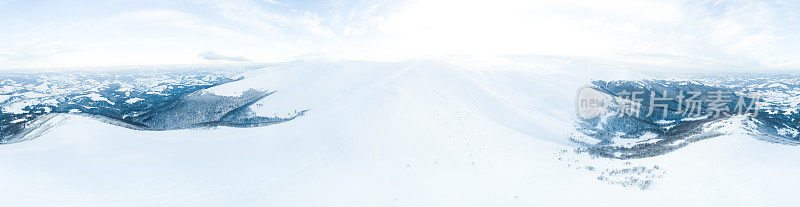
387, 134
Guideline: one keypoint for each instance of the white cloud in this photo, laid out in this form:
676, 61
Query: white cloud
745, 34
157, 15
211, 55
171, 19
274, 2
680, 34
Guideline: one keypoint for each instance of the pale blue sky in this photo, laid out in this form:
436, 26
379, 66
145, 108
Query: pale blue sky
662, 34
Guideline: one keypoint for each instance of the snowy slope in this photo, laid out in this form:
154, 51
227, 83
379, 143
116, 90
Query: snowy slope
384, 134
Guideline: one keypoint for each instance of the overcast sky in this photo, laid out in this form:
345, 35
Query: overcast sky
667, 34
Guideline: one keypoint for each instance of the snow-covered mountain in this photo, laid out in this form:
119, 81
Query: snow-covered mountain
422, 133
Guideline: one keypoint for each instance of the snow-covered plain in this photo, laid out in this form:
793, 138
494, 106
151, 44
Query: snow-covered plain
420, 133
